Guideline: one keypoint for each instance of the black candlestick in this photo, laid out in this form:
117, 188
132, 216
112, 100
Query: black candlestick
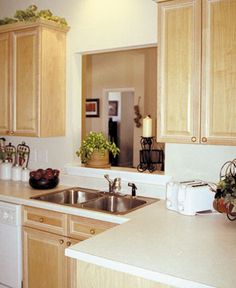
146, 155
149, 157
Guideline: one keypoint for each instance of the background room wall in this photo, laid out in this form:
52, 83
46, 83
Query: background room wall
133, 69
102, 25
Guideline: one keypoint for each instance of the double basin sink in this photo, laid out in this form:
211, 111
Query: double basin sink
96, 200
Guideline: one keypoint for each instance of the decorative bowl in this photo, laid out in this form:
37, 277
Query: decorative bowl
44, 183
44, 179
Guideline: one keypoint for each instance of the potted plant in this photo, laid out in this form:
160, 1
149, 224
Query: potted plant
94, 150
225, 198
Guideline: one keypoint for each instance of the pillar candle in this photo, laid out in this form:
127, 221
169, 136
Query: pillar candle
147, 127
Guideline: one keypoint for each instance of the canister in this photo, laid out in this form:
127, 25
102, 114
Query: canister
25, 174
16, 173
5, 170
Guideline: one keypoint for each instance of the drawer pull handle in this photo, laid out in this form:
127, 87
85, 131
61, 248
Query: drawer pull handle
61, 241
92, 231
68, 243
204, 139
193, 139
41, 219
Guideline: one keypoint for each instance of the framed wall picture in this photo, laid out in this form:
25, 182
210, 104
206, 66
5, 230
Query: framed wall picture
92, 108
113, 108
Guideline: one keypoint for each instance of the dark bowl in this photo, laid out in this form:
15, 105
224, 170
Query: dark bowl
44, 183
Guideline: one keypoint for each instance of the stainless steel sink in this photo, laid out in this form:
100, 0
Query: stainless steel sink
71, 196
95, 200
114, 204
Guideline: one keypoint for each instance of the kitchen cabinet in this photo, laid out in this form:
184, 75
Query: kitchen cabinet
82, 228
33, 88
197, 71
46, 235
94, 276
44, 260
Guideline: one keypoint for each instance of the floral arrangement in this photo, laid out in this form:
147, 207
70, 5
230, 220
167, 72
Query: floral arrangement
225, 197
31, 14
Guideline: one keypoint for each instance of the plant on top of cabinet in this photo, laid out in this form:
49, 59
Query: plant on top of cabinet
197, 48
31, 14
32, 79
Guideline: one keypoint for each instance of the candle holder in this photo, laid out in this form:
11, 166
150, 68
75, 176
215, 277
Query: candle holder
149, 157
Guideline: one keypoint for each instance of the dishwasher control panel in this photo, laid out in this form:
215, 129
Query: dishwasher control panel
10, 214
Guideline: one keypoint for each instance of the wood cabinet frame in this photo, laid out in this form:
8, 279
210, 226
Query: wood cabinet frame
44, 229
192, 103
36, 74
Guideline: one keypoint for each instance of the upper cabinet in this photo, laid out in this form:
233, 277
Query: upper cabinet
32, 82
197, 71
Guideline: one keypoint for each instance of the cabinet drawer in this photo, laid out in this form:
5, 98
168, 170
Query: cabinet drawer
46, 220
82, 228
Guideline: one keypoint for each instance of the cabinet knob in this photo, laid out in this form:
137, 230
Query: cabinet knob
92, 231
61, 241
11, 132
41, 219
204, 139
68, 243
193, 139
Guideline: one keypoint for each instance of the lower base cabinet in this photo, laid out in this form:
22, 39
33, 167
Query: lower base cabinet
46, 236
45, 263
93, 276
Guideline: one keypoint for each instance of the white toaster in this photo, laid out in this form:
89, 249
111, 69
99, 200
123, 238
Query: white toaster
189, 197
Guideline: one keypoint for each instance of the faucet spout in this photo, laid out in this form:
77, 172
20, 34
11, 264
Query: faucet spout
114, 186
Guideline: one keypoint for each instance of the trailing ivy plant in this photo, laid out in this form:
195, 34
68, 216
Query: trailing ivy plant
31, 14
96, 141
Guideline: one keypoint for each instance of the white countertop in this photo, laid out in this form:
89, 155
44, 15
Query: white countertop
167, 247
152, 242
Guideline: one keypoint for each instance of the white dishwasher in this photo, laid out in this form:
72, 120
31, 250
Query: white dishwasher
10, 246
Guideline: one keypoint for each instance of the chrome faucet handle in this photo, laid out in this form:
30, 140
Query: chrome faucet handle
106, 176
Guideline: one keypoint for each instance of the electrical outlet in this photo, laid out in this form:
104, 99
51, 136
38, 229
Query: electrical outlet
42, 156
33, 155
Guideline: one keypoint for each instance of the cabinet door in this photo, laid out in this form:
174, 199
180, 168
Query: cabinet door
25, 74
4, 83
44, 262
71, 266
179, 39
219, 72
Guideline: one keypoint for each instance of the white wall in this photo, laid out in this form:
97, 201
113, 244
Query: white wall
95, 25
107, 24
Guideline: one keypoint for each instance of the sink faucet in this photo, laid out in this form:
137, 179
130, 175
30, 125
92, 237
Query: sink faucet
115, 185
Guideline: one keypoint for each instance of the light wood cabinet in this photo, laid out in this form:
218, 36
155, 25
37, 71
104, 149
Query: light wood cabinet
46, 236
44, 262
93, 276
83, 228
33, 88
197, 72
4, 82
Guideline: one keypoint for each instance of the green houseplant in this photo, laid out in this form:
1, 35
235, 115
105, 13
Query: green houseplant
94, 150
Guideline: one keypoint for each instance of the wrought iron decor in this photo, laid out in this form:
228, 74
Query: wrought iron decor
149, 157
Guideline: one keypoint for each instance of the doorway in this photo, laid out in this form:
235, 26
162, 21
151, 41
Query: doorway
120, 124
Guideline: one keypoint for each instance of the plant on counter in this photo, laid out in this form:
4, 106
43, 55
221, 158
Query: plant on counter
96, 142
225, 198
31, 14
